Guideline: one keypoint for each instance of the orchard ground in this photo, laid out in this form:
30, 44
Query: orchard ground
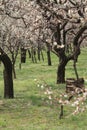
28, 110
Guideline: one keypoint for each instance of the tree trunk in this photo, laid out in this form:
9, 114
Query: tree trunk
38, 52
48, 53
49, 58
35, 59
8, 80
23, 55
14, 73
61, 71
8, 85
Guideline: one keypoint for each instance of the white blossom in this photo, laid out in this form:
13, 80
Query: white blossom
42, 86
65, 96
35, 79
60, 101
38, 85
55, 43
75, 103
50, 97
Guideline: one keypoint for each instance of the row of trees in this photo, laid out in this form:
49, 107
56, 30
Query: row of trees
66, 20
58, 25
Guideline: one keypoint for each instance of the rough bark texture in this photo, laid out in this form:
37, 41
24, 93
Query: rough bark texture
61, 70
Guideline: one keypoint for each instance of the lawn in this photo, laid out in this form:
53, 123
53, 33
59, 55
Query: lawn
29, 109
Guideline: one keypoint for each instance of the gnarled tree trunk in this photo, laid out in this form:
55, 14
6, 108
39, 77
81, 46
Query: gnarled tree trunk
61, 71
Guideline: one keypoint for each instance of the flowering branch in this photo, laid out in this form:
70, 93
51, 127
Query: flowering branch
75, 99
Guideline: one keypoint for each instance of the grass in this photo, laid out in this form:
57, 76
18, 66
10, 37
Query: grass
28, 111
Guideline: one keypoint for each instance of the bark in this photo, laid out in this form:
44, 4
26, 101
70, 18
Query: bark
48, 54
78, 35
23, 55
63, 60
14, 72
8, 84
35, 59
38, 51
49, 58
8, 80
61, 70
13, 65
61, 112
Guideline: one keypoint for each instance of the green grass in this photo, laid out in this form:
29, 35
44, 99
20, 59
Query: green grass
28, 110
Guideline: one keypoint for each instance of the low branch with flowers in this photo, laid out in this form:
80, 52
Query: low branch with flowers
75, 99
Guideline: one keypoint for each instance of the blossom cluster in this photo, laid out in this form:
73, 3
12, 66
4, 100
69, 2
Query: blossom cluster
75, 99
